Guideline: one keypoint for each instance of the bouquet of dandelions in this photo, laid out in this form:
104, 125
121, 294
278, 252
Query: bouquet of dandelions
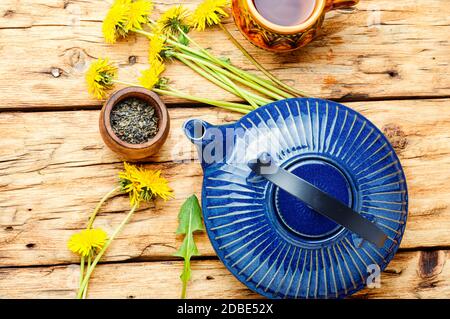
170, 40
141, 185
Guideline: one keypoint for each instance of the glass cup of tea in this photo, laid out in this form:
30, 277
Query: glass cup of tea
283, 25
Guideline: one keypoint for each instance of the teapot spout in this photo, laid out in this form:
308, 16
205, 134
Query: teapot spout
210, 141
195, 130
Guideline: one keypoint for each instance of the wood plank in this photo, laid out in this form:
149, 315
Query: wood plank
383, 49
409, 275
54, 168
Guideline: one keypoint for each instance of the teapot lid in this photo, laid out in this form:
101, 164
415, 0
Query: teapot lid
276, 244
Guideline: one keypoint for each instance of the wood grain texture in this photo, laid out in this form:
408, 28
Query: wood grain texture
54, 168
405, 277
382, 49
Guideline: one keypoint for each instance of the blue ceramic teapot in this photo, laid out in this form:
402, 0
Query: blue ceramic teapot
302, 198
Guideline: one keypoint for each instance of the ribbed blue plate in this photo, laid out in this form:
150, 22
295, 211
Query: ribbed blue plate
271, 241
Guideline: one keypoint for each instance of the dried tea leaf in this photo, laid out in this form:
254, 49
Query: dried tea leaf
134, 121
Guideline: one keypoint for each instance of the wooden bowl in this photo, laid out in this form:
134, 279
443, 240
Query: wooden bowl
126, 150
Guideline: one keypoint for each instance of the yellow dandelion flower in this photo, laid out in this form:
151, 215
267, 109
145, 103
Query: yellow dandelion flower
100, 78
158, 67
154, 185
87, 241
174, 18
143, 185
129, 184
209, 13
157, 44
138, 14
114, 25
150, 77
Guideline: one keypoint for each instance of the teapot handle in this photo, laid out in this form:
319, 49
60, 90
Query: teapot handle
318, 200
340, 4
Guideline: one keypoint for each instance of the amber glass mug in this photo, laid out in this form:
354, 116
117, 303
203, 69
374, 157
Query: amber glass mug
273, 37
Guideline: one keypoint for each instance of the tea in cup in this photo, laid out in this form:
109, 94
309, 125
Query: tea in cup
283, 25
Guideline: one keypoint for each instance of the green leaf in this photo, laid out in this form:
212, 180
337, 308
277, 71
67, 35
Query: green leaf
190, 216
190, 220
188, 248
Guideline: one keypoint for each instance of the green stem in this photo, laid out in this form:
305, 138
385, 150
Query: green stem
232, 76
230, 87
126, 83
81, 269
206, 55
236, 107
89, 226
203, 72
253, 99
272, 77
146, 33
185, 282
256, 79
257, 98
87, 285
102, 252
237, 70
99, 205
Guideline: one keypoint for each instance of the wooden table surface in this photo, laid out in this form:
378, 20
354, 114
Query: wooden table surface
387, 59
